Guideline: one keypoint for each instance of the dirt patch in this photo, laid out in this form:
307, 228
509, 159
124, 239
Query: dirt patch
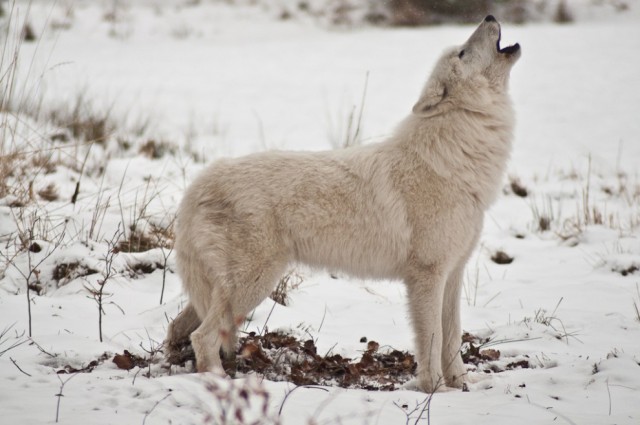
137, 269
501, 257
63, 273
628, 270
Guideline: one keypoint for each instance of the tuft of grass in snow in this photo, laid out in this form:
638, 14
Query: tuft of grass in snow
543, 216
517, 188
551, 320
563, 15
83, 120
591, 199
501, 257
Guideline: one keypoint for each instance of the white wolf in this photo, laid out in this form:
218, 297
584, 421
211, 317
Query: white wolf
410, 208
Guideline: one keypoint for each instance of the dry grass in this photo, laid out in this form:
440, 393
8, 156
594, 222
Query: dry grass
563, 15
83, 120
543, 216
591, 198
291, 280
154, 237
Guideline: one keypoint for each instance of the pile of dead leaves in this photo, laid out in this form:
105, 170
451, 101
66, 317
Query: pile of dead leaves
488, 360
283, 357
280, 356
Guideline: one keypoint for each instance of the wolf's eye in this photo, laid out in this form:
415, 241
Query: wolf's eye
461, 54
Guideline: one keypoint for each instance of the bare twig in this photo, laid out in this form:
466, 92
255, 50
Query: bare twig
289, 392
609, 394
98, 293
635, 305
60, 395
42, 350
421, 408
264, 327
26, 234
14, 344
154, 406
19, 368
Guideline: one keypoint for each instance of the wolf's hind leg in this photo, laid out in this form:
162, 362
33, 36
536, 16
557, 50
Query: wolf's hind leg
178, 333
208, 339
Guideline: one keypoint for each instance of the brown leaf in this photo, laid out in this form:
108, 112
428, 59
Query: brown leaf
367, 360
310, 347
249, 349
123, 361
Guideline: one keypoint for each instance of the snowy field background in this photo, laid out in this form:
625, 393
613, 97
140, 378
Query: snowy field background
132, 101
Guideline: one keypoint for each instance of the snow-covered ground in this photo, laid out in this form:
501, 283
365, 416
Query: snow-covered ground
184, 84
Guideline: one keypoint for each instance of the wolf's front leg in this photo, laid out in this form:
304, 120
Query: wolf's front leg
453, 368
426, 293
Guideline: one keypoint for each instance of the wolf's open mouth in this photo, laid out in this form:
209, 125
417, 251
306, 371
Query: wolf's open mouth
509, 50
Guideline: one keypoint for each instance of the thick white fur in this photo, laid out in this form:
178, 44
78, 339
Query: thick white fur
410, 208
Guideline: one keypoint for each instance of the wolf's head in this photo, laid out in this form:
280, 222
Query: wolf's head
470, 75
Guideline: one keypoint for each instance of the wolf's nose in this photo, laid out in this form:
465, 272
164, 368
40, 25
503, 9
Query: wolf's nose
490, 18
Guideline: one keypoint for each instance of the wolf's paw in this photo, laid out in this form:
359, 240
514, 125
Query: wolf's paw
478, 381
410, 385
456, 379
415, 385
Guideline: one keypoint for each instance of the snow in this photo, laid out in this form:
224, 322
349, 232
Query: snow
212, 80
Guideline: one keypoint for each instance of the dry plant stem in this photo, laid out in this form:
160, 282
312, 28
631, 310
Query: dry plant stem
8, 77
42, 350
289, 392
144, 420
264, 327
13, 345
76, 192
355, 139
19, 368
26, 234
635, 305
587, 213
609, 395
165, 257
422, 408
98, 294
154, 348
352, 131
99, 213
60, 395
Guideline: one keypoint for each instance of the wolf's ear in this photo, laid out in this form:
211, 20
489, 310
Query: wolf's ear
434, 93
